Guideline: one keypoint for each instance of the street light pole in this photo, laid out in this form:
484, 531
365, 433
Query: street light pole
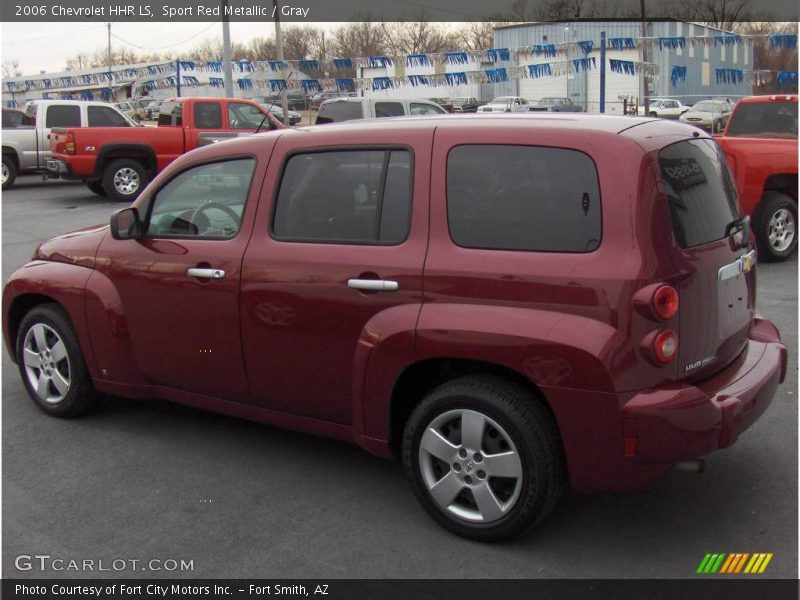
227, 68
279, 45
645, 84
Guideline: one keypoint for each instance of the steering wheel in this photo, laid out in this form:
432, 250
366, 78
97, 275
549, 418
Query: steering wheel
194, 219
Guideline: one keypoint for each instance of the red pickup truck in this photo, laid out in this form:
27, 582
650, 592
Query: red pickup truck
760, 143
120, 162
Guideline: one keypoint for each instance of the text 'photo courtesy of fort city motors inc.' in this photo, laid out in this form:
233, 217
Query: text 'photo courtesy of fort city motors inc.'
439, 299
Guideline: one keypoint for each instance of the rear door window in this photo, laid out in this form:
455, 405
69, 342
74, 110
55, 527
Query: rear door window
700, 191
507, 197
418, 108
389, 109
333, 112
208, 115
103, 116
63, 116
764, 119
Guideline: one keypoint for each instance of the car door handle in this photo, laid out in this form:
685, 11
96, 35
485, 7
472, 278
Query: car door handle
373, 285
206, 273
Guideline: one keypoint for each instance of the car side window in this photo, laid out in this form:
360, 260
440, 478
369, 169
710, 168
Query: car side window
506, 197
244, 116
208, 115
206, 201
345, 196
63, 116
102, 116
417, 108
389, 109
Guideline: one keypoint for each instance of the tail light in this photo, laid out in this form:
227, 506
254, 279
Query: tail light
665, 346
665, 302
630, 435
69, 145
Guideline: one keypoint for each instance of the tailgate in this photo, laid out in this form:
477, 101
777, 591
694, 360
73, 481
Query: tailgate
716, 276
58, 140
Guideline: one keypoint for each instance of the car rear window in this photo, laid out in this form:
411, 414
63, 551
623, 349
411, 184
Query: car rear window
508, 197
700, 191
389, 109
63, 116
764, 119
103, 116
334, 112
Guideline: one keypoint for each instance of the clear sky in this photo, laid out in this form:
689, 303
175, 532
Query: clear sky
47, 46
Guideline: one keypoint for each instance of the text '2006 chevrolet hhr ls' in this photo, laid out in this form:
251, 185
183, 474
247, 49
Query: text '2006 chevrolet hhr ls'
508, 303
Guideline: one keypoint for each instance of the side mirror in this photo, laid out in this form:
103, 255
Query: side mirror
126, 225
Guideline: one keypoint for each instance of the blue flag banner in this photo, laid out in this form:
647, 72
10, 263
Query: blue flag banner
309, 65
89, 95
245, 84
583, 64
216, 82
677, 75
379, 61
498, 54
547, 50
586, 46
417, 80
734, 76
783, 40
417, 60
622, 66
188, 65
345, 85
727, 40
496, 75
311, 85
245, 65
671, 42
278, 65
342, 64
624, 43
277, 85
787, 79
382, 83
215, 66
456, 58
540, 70
455, 78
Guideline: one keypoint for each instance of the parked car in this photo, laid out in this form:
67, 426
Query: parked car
151, 110
318, 99
664, 108
760, 142
295, 101
465, 104
556, 105
120, 163
430, 289
710, 115
506, 104
346, 109
294, 117
445, 103
26, 147
128, 109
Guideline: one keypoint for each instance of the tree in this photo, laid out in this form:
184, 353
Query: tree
475, 36
11, 69
417, 37
771, 59
728, 15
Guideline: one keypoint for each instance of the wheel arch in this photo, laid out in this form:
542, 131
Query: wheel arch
20, 306
784, 183
111, 152
12, 152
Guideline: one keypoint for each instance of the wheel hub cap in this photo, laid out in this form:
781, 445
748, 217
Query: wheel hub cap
46, 363
781, 230
5, 173
126, 181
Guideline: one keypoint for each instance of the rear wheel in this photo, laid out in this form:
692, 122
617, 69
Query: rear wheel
96, 187
51, 363
9, 171
484, 457
776, 230
124, 179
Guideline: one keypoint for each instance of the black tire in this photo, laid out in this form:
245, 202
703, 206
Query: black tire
96, 187
776, 210
79, 395
653, 114
531, 431
123, 170
10, 168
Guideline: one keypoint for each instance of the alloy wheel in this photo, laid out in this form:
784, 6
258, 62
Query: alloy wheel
470, 466
126, 181
781, 230
6, 173
46, 363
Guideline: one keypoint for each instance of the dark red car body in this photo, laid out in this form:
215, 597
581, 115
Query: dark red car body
283, 340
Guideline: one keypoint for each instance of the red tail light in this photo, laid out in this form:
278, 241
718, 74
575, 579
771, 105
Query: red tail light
630, 435
69, 145
665, 346
665, 302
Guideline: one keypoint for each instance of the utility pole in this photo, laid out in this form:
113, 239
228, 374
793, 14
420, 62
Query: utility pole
645, 83
109, 58
279, 44
227, 68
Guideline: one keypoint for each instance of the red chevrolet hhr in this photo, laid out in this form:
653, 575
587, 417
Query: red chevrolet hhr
509, 303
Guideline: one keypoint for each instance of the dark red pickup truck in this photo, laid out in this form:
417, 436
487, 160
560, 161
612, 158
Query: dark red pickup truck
120, 162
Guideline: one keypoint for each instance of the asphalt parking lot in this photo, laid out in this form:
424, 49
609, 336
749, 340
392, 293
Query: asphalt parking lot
150, 480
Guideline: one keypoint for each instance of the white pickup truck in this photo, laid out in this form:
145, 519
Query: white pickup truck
26, 144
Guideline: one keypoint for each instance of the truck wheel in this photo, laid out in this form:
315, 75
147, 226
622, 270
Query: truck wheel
124, 179
9, 171
51, 363
484, 457
96, 187
776, 230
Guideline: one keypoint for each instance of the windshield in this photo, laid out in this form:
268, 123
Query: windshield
765, 119
708, 106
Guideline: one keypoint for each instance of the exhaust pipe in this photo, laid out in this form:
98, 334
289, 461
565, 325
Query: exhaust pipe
697, 465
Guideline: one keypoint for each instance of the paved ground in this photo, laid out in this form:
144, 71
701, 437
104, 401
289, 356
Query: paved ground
153, 480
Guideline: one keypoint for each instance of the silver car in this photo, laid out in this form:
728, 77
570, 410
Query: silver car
711, 115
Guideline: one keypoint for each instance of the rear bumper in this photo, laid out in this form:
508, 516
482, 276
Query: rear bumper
58, 167
632, 440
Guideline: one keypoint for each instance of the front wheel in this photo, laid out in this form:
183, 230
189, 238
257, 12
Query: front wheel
776, 230
125, 179
484, 457
51, 363
9, 172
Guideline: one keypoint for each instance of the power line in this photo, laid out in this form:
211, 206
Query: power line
52, 35
168, 45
